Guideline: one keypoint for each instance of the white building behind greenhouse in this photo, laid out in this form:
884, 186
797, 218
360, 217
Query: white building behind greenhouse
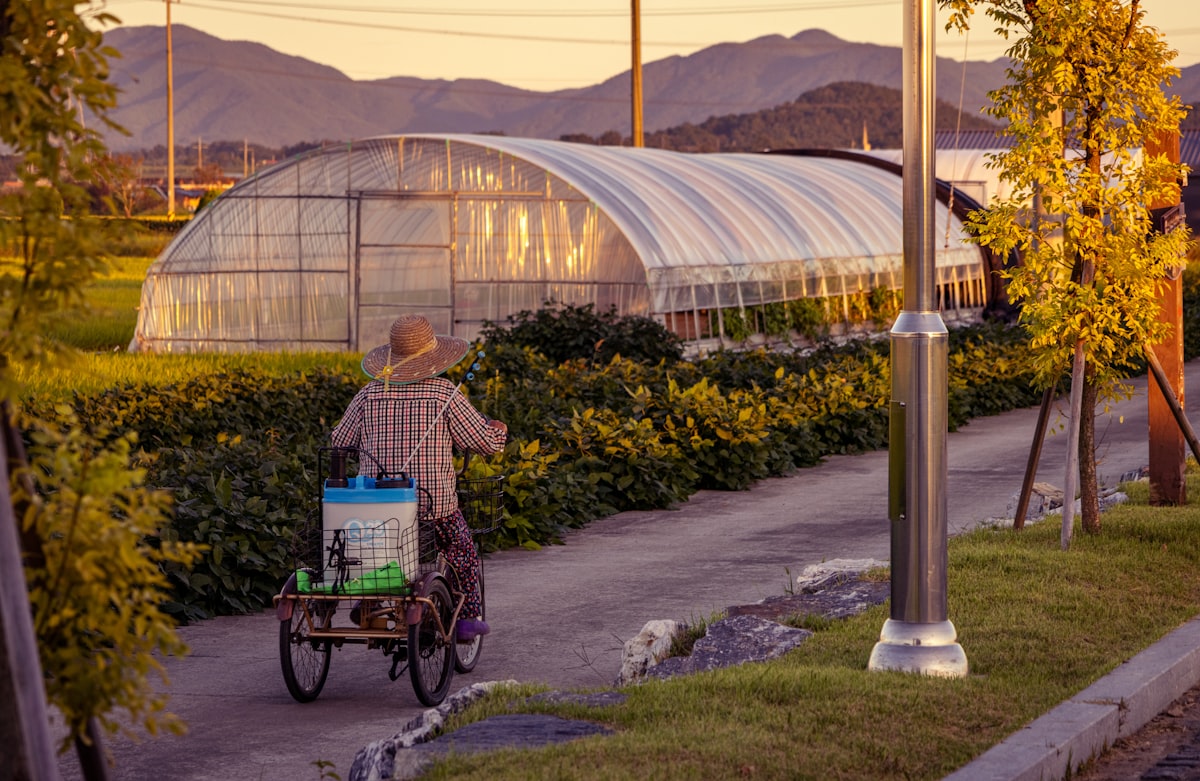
323, 251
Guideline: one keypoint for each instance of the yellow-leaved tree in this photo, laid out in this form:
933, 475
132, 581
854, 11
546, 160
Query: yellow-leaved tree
90, 531
1085, 93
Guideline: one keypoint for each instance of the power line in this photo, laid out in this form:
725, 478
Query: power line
460, 33
504, 36
571, 14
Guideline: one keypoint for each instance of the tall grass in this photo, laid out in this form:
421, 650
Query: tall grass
107, 316
92, 372
101, 327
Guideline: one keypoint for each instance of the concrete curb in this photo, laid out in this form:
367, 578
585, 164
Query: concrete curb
1054, 745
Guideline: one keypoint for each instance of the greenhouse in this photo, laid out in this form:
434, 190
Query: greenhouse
323, 251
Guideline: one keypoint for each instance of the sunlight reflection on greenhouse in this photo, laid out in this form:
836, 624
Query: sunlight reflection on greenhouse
323, 251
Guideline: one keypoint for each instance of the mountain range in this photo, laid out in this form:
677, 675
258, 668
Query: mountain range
236, 90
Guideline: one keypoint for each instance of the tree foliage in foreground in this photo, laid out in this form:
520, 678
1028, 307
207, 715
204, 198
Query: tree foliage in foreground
89, 528
1085, 95
97, 582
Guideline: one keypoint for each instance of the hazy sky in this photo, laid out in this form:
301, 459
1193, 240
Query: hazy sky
555, 44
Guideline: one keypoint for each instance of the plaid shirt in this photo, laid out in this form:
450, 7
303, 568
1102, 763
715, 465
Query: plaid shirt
388, 424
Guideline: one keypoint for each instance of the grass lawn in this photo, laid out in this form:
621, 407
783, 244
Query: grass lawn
1038, 625
110, 309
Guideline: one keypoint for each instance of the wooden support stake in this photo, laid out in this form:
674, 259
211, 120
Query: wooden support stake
1035, 455
1164, 385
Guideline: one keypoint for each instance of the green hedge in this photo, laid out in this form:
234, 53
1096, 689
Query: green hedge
238, 453
591, 438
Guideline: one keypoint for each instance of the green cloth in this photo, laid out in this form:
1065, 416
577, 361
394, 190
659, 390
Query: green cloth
388, 579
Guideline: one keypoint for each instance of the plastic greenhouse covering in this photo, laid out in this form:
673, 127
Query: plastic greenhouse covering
323, 251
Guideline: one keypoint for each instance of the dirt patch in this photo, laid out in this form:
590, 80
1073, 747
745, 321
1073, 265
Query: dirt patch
1167, 748
837, 596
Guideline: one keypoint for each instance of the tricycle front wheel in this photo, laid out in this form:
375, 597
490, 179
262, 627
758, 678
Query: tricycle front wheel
305, 661
466, 655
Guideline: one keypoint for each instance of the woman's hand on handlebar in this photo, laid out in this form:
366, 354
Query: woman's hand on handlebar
499, 424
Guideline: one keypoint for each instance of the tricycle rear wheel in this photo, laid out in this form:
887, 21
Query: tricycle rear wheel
430, 652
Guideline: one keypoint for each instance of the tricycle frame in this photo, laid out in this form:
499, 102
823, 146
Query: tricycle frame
417, 629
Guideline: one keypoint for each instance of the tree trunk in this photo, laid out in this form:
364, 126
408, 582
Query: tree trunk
1073, 429
1089, 488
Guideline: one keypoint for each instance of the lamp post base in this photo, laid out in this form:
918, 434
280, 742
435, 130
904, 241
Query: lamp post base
926, 649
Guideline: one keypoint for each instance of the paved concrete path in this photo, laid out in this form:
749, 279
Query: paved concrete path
561, 615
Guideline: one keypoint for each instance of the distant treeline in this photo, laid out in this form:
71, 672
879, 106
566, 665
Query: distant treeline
837, 116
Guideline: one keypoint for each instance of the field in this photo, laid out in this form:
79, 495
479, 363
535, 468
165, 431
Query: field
102, 325
109, 309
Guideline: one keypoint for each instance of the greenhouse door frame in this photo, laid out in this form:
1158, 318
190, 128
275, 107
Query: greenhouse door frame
438, 244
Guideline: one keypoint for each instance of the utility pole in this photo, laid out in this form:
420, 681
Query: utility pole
918, 637
245, 158
636, 73
170, 121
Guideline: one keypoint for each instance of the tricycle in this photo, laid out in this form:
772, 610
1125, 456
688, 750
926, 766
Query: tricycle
368, 573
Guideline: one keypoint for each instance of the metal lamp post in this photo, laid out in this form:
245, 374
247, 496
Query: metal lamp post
918, 637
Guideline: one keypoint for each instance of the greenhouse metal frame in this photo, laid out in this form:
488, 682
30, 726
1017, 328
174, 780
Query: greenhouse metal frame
323, 251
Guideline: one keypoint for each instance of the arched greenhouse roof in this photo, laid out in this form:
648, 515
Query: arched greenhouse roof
324, 250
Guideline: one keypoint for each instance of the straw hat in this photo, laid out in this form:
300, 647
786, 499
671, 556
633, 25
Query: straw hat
413, 352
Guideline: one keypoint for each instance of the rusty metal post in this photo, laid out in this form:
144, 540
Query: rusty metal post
1168, 451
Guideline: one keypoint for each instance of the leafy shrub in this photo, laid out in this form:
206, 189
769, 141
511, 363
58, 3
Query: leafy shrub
744, 368
847, 400
987, 378
734, 325
885, 305
243, 496
724, 437
775, 319
626, 461
563, 333
541, 499
808, 318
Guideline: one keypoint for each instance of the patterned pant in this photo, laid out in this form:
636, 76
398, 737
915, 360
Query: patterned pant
455, 543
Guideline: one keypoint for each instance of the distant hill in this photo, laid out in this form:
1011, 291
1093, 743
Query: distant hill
241, 90
834, 116
841, 115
